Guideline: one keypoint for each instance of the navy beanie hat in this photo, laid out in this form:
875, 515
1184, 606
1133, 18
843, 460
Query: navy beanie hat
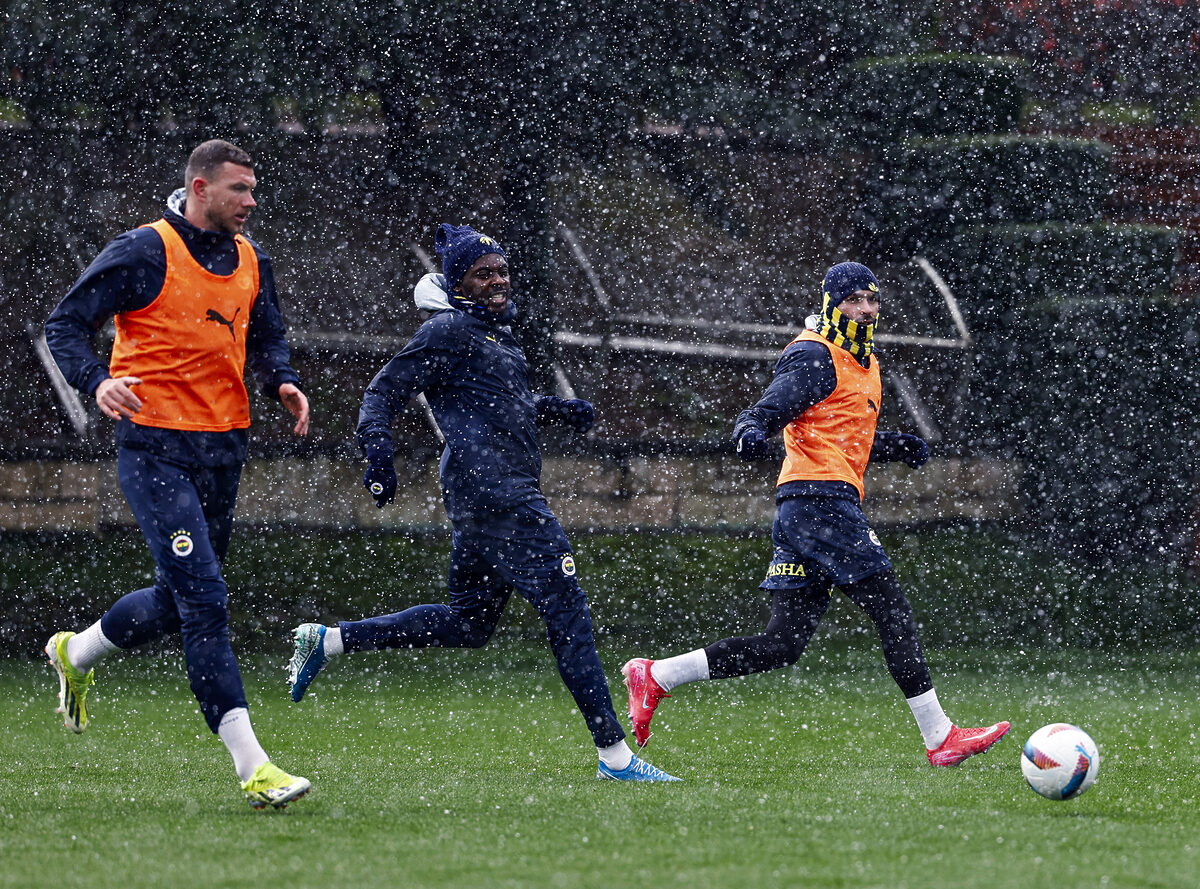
459, 246
843, 279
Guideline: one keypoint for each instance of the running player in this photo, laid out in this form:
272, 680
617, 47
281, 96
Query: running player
825, 399
193, 300
470, 368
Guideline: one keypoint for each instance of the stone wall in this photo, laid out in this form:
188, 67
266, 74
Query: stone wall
718, 493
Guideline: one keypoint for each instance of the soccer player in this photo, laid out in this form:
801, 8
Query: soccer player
470, 368
825, 398
192, 299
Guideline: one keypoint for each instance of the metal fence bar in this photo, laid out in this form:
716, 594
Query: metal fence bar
940, 285
67, 396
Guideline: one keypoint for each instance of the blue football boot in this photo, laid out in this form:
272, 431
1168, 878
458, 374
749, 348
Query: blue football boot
308, 659
637, 770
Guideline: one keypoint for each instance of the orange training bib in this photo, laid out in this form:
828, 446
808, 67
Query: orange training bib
189, 345
831, 441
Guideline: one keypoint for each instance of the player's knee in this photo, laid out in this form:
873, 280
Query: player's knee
472, 627
784, 649
475, 635
205, 618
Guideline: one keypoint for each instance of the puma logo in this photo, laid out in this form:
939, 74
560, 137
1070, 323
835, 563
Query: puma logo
872, 406
214, 315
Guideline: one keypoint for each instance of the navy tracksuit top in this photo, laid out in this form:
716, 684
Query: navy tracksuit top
474, 376
126, 277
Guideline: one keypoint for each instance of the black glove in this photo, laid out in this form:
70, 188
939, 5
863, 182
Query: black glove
574, 413
891, 446
752, 445
380, 477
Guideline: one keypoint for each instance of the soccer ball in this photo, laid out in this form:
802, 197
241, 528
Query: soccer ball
1060, 761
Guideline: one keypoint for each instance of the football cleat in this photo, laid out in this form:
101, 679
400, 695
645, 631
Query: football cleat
962, 743
72, 685
637, 770
644, 695
308, 658
272, 786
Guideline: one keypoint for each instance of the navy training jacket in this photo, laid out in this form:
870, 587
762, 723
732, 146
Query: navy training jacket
474, 376
127, 276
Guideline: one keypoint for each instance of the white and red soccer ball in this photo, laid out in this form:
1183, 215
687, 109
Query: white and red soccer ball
1060, 761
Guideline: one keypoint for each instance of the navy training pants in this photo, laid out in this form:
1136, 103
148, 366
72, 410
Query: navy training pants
186, 516
527, 552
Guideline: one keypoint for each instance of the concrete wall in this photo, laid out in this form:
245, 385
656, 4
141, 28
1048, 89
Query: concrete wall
593, 494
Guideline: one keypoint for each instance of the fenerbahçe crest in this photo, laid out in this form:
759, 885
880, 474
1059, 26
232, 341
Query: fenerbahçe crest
181, 544
568, 565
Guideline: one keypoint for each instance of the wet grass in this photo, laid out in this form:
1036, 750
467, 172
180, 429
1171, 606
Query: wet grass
975, 585
450, 768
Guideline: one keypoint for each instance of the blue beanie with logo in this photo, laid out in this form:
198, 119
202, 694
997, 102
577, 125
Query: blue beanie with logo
459, 246
846, 278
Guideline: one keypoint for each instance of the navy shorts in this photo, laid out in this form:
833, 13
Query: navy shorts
824, 540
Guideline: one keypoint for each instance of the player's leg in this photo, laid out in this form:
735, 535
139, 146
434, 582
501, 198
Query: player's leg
174, 506
882, 598
135, 619
166, 499
477, 600
263, 783
534, 554
795, 614
800, 597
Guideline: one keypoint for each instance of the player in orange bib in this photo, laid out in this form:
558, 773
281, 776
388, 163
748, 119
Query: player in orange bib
825, 399
193, 299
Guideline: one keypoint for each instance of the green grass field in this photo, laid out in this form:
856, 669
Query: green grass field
446, 768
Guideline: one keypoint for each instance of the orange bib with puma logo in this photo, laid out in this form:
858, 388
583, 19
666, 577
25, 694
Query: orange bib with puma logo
188, 346
831, 441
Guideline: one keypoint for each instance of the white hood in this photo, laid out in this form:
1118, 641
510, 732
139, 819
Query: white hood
176, 200
430, 293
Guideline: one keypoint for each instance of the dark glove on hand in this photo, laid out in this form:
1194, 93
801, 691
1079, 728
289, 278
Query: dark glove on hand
752, 445
900, 446
380, 477
574, 413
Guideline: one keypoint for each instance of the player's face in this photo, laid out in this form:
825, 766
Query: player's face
486, 283
861, 306
226, 199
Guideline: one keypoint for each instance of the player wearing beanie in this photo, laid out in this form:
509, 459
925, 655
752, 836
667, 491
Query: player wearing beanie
470, 368
825, 399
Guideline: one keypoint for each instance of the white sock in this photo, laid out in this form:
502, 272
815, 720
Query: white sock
86, 649
616, 757
237, 733
931, 719
673, 671
333, 642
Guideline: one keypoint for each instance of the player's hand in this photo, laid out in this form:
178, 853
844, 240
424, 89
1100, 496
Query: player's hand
580, 415
116, 399
296, 402
574, 413
752, 445
911, 450
380, 482
891, 446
